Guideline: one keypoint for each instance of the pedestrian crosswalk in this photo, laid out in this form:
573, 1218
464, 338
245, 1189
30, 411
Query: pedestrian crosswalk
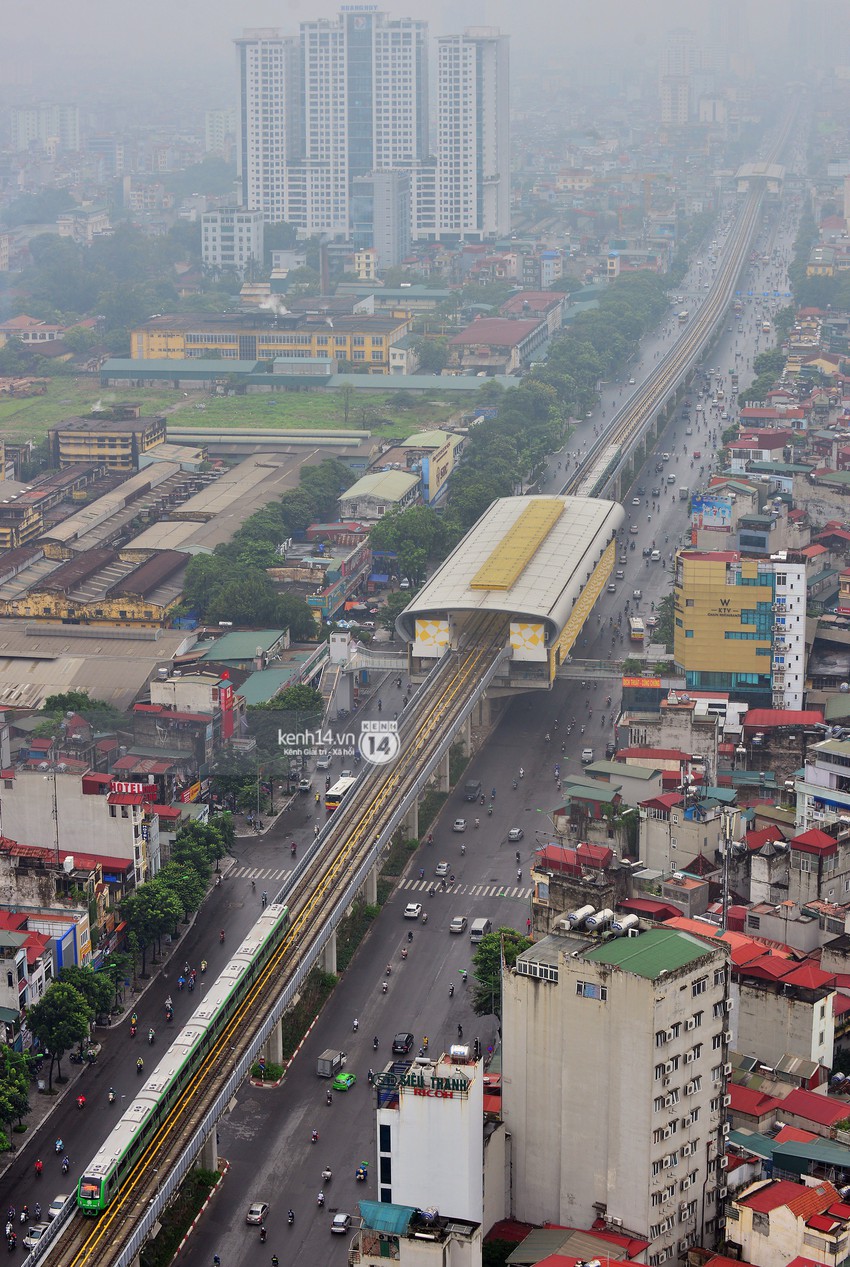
269, 874
471, 890
260, 873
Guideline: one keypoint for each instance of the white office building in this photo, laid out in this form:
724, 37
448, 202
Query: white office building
788, 665
613, 1084
232, 238
45, 125
219, 130
473, 134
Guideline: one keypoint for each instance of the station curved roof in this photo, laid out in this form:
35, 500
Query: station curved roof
527, 557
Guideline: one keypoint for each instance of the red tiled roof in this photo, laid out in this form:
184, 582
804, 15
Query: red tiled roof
765, 718
763, 836
793, 1135
503, 332
822, 1109
809, 976
814, 841
654, 754
650, 907
666, 801
772, 1195
753, 1103
813, 1201
821, 1222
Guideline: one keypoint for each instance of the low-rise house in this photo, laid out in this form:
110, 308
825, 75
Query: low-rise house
775, 1222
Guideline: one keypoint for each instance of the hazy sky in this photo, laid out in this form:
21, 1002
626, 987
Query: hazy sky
85, 44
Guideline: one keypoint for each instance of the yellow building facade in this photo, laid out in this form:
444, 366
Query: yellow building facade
365, 339
723, 620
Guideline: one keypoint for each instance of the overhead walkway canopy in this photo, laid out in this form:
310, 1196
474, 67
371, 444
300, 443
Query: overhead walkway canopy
538, 562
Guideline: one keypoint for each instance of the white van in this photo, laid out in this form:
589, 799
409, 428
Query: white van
480, 928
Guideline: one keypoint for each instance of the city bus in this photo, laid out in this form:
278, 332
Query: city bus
636, 629
683, 317
334, 794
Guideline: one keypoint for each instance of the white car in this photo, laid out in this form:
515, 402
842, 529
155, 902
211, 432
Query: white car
516, 833
341, 1224
459, 824
441, 869
631, 382
57, 1205
635, 501
413, 910
665, 457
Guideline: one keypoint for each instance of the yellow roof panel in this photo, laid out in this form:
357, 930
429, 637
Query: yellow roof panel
518, 547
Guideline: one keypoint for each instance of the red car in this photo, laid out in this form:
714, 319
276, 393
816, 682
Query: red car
697, 453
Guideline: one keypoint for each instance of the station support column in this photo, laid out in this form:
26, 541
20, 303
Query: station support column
329, 954
208, 1156
441, 775
410, 827
371, 886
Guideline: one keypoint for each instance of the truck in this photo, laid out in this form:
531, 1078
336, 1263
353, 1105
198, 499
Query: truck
683, 493
329, 1063
472, 791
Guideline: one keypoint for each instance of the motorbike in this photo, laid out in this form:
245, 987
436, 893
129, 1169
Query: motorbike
81, 1101
76, 1057
151, 1037
59, 1147
383, 987
326, 1175
66, 1165
320, 1199
262, 1234
375, 1043
424, 917
290, 1218
111, 1096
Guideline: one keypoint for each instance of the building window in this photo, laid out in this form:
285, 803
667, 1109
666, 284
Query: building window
590, 990
699, 987
761, 1223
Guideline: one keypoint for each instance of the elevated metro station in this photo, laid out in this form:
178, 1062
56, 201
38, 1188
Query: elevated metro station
535, 564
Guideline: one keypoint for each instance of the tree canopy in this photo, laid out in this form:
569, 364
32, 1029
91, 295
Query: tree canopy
487, 968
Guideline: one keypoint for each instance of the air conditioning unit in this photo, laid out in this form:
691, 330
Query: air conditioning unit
686, 1183
721, 1222
729, 1005
722, 1163
669, 1067
671, 1034
690, 1057
690, 1088
727, 1100
690, 1023
615, 1222
725, 1129
668, 1132
727, 1069
669, 1101
667, 1163
727, 1035
722, 1192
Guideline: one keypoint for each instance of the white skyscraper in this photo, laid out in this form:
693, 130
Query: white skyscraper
268, 81
349, 98
473, 137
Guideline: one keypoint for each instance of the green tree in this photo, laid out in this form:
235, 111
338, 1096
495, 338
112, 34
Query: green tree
487, 968
93, 986
14, 1088
59, 1019
116, 970
433, 355
394, 605
142, 913
186, 885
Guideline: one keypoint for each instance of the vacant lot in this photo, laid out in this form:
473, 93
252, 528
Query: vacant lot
373, 411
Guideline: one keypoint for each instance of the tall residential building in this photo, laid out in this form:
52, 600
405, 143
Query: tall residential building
380, 216
267, 118
740, 625
473, 134
44, 124
680, 60
349, 99
232, 238
613, 1084
219, 130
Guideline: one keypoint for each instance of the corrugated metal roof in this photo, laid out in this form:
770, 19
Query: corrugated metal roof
655, 952
392, 485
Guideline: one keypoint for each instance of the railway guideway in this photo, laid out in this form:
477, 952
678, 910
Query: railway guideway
540, 563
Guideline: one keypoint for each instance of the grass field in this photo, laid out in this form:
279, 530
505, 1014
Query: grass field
29, 419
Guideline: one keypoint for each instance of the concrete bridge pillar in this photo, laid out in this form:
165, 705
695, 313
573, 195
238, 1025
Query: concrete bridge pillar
464, 737
208, 1156
329, 955
273, 1049
441, 775
411, 822
371, 886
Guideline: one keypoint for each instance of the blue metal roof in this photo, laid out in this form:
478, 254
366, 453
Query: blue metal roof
383, 1216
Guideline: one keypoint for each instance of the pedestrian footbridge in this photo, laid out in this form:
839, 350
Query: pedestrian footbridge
539, 564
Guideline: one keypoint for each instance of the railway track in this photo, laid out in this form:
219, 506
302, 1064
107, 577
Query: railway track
613, 445
357, 824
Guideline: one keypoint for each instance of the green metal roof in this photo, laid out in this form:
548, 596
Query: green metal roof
265, 684
656, 951
243, 645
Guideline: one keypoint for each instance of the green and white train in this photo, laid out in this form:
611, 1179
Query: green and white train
126, 1143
